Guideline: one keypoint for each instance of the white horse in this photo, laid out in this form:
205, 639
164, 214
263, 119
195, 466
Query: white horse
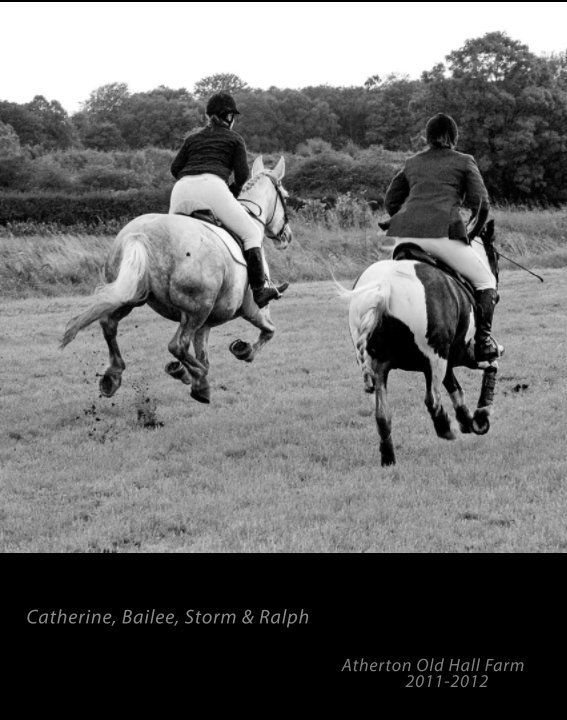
191, 272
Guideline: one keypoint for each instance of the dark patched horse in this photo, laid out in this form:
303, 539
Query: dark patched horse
191, 272
411, 315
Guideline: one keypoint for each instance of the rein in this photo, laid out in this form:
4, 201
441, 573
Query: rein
258, 216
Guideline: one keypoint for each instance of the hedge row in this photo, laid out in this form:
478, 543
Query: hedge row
88, 209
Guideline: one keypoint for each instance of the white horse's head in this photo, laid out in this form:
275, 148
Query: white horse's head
270, 196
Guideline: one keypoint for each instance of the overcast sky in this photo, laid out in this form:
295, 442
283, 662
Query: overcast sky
64, 51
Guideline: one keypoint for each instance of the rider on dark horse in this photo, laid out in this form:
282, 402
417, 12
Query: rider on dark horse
424, 200
202, 168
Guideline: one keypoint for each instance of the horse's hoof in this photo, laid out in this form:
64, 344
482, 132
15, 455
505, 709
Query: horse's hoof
480, 422
464, 419
178, 371
387, 455
242, 350
109, 384
443, 427
202, 396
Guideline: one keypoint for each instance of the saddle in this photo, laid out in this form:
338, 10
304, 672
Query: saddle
209, 217
411, 251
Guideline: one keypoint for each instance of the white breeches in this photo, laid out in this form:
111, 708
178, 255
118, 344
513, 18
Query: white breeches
210, 192
469, 260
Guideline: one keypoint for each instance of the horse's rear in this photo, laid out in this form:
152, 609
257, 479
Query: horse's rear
410, 316
187, 270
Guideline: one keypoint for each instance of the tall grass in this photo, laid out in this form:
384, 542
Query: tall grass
537, 238
43, 260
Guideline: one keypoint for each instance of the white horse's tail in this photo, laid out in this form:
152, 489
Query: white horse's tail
130, 286
369, 304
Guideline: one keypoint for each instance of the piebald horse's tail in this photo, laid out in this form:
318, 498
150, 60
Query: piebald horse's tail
369, 305
130, 287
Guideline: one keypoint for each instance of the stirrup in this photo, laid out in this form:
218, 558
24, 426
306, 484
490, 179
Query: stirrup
280, 289
489, 351
262, 296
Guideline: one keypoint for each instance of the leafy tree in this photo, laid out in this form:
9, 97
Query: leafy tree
38, 122
300, 117
259, 122
10, 156
104, 103
9, 142
159, 118
509, 113
390, 122
56, 129
26, 125
556, 66
373, 82
181, 94
97, 122
494, 58
101, 135
350, 105
220, 82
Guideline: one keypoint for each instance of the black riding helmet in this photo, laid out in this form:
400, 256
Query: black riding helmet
441, 131
221, 104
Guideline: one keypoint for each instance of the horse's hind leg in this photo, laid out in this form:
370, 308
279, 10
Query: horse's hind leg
244, 350
112, 378
200, 389
462, 413
383, 415
188, 369
441, 422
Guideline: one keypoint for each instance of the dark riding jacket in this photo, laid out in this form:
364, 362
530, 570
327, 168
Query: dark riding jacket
217, 150
424, 199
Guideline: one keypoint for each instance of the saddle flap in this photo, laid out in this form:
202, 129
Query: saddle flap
412, 251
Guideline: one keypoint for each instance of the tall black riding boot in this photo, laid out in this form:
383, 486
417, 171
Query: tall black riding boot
486, 348
262, 292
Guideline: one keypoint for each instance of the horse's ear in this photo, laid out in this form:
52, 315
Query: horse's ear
258, 166
279, 170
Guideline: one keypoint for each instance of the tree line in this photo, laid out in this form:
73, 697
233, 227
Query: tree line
510, 104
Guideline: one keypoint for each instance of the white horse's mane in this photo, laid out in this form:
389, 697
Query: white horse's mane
254, 179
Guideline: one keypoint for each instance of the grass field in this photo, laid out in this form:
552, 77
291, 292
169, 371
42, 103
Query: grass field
285, 459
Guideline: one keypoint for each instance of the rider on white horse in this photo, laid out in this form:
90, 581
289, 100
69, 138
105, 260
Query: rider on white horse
202, 168
424, 201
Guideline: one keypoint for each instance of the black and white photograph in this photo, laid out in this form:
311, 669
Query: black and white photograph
283, 278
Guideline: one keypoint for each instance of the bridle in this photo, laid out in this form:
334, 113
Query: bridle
279, 196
